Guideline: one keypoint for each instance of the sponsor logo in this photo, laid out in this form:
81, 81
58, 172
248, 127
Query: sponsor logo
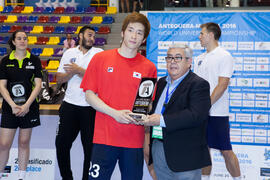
266, 154
29, 67
265, 172
29, 63
7, 169
72, 60
33, 120
10, 65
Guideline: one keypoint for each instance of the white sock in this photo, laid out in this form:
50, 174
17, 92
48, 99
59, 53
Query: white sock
205, 177
22, 174
237, 178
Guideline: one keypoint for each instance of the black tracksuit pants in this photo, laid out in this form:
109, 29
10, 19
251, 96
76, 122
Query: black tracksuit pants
74, 119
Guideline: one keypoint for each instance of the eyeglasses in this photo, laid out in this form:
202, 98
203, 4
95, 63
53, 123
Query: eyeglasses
176, 59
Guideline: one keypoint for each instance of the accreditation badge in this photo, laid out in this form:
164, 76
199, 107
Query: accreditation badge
157, 132
143, 99
17, 90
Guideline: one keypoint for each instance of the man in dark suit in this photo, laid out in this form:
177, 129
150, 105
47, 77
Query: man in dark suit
178, 147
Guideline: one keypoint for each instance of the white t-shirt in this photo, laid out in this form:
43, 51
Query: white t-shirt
74, 94
211, 66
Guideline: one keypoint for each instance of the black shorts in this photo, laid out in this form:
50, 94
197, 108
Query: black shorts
30, 120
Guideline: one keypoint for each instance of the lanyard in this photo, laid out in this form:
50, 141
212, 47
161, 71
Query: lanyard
167, 97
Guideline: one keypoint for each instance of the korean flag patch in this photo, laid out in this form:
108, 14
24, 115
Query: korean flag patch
110, 69
137, 75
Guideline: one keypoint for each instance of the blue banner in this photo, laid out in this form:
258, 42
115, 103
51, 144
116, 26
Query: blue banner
246, 35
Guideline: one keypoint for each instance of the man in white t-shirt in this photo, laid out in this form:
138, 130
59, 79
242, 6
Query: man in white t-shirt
76, 115
216, 66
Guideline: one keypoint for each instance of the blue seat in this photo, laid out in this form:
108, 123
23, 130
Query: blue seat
96, 29
36, 51
48, 10
3, 51
32, 19
59, 30
108, 20
79, 10
5, 39
4, 29
7, 9
62, 41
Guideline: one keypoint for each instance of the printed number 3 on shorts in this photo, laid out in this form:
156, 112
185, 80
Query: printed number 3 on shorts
94, 170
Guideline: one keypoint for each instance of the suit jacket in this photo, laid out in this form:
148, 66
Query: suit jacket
186, 116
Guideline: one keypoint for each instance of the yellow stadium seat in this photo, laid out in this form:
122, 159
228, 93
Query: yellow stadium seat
37, 30
47, 52
97, 20
1, 8
11, 19
32, 39
28, 9
111, 10
78, 29
53, 41
64, 19
53, 64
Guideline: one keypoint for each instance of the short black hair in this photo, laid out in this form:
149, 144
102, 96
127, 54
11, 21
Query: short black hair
12, 38
82, 30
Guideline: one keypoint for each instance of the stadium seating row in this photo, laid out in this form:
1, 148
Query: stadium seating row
49, 41
58, 10
57, 19
51, 29
51, 26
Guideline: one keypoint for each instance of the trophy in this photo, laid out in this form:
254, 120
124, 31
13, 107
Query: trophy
143, 99
17, 90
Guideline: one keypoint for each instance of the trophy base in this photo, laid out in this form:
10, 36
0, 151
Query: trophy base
137, 116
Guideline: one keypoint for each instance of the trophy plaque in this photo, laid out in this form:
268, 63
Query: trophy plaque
17, 92
143, 99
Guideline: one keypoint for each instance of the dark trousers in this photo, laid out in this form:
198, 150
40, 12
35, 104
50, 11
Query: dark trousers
74, 119
105, 157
